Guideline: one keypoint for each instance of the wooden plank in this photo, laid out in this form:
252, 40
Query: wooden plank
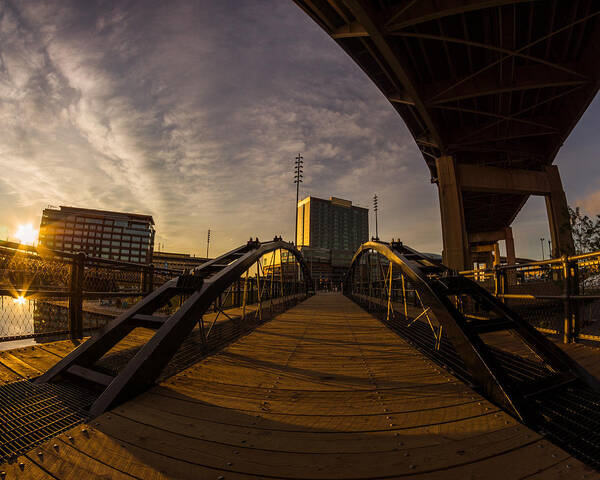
7, 375
24, 469
65, 462
18, 366
100, 447
322, 391
39, 359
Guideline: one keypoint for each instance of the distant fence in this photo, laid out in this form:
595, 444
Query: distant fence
53, 293
559, 296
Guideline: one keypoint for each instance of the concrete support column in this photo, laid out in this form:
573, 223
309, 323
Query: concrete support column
511, 257
454, 235
558, 215
496, 254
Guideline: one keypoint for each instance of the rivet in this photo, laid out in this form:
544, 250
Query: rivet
412, 467
41, 454
220, 477
406, 454
21, 466
568, 466
229, 464
2, 475
55, 446
236, 452
71, 439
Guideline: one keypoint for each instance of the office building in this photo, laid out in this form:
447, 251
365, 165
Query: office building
329, 233
120, 236
334, 224
176, 261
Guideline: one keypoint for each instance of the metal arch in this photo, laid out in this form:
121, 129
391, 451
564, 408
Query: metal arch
437, 284
204, 284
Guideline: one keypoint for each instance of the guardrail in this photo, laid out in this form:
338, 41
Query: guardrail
560, 296
53, 293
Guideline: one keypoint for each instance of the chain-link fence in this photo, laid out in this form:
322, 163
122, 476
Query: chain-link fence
559, 296
46, 293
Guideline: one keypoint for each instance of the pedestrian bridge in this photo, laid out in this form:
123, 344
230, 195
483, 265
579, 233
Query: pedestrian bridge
322, 390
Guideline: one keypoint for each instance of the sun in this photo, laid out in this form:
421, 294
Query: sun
20, 300
26, 234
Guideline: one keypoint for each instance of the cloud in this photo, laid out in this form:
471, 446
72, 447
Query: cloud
193, 112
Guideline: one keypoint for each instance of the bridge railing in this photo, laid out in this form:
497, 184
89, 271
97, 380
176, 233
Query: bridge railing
48, 293
560, 296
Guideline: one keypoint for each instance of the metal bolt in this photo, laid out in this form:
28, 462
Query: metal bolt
55, 446
412, 467
71, 439
229, 464
220, 477
2, 475
21, 466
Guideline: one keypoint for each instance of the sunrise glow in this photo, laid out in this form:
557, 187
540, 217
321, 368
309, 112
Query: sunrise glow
19, 300
26, 234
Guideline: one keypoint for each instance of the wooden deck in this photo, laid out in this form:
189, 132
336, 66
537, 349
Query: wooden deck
322, 391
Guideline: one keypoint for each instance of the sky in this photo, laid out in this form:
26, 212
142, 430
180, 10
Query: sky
193, 112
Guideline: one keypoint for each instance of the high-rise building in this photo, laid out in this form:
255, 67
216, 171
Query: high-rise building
334, 224
329, 233
100, 233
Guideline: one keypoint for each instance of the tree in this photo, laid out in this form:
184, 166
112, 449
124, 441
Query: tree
586, 231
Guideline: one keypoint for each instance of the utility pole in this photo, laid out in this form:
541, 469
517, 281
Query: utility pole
549, 248
297, 180
542, 242
376, 225
207, 242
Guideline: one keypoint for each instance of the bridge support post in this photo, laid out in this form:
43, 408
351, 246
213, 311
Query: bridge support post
558, 215
454, 234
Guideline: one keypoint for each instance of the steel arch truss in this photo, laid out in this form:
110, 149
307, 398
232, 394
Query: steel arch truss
410, 286
202, 286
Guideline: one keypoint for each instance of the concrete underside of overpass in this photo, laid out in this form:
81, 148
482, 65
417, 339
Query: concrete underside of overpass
321, 391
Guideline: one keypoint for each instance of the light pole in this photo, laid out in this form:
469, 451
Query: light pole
549, 248
297, 180
376, 225
542, 242
207, 242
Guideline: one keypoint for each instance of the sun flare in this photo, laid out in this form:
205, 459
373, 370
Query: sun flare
19, 300
26, 234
